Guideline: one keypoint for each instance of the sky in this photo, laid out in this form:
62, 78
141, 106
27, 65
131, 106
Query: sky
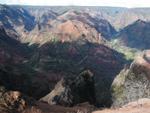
116, 3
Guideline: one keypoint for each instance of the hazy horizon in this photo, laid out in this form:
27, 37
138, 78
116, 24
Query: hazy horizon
106, 3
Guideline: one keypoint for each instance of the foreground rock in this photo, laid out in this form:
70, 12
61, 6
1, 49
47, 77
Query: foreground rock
13, 101
16, 102
133, 83
74, 90
139, 106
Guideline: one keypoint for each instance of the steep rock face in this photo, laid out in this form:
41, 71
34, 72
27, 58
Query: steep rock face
66, 31
67, 28
15, 71
136, 35
73, 90
48, 27
16, 17
73, 58
43, 18
101, 25
11, 50
78, 30
132, 83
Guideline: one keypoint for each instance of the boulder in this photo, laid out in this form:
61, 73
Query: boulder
70, 91
13, 101
133, 82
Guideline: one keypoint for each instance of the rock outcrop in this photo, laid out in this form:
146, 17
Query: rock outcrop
133, 83
70, 91
13, 101
72, 58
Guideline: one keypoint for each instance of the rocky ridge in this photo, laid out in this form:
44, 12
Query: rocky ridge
133, 82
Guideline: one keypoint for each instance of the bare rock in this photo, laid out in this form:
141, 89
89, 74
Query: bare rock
132, 83
13, 101
70, 91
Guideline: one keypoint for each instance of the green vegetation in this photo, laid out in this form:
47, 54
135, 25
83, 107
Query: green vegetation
130, 53
117, 87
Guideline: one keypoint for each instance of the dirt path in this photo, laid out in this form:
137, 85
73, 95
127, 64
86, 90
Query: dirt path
140, 106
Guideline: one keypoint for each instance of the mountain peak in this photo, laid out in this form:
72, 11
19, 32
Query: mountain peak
140, 21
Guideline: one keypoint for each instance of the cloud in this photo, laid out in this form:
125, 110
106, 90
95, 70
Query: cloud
120, 3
